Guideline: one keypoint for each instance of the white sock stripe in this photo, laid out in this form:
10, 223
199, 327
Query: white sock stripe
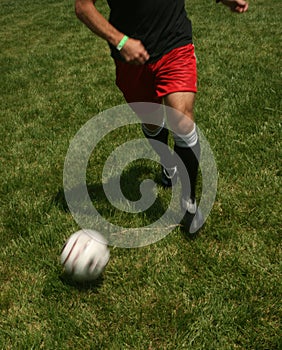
155, 132
188, 140
170, 172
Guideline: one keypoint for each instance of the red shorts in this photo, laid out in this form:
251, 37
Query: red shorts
174, 72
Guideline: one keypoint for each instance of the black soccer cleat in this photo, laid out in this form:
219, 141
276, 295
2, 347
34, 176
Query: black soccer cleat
169, 176
193, 219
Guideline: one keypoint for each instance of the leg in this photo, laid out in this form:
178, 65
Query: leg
181, 120
176, 82
187, 147
137, 85
157, 135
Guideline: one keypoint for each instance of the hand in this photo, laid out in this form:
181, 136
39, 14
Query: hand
134, 52
239, 6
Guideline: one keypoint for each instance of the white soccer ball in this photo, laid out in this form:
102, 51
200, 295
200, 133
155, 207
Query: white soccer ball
85, 255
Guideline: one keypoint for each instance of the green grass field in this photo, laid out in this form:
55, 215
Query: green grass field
221, 290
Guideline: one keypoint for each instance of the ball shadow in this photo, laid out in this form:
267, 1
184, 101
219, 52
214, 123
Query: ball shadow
93, 286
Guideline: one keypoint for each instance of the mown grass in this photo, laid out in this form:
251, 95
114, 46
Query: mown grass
221, 290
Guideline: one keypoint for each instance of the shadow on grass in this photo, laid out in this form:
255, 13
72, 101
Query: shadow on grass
130, 181
94, 286
189, 236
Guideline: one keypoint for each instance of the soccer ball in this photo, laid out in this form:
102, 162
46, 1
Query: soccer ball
85, 255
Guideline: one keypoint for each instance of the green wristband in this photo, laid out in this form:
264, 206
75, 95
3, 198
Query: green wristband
122, 42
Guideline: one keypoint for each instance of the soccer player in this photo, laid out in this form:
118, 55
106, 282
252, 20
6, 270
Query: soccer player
151, 44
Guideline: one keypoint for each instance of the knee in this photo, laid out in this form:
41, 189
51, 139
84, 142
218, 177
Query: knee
183, 124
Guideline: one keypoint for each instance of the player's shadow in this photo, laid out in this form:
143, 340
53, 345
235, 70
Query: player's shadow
130, 181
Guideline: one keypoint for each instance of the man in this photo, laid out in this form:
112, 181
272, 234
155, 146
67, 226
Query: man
151, 44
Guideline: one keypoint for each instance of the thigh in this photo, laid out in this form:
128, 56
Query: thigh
176, 71
176, 82
180, 114
136, 82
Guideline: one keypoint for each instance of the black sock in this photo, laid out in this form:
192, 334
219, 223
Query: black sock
190, 157
164, 153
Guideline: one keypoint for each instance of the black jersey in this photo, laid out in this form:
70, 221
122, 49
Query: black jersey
161, 25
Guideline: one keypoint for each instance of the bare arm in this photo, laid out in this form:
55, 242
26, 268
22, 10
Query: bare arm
239, 6
133, 51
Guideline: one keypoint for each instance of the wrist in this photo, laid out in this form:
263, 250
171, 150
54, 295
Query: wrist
122, 42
